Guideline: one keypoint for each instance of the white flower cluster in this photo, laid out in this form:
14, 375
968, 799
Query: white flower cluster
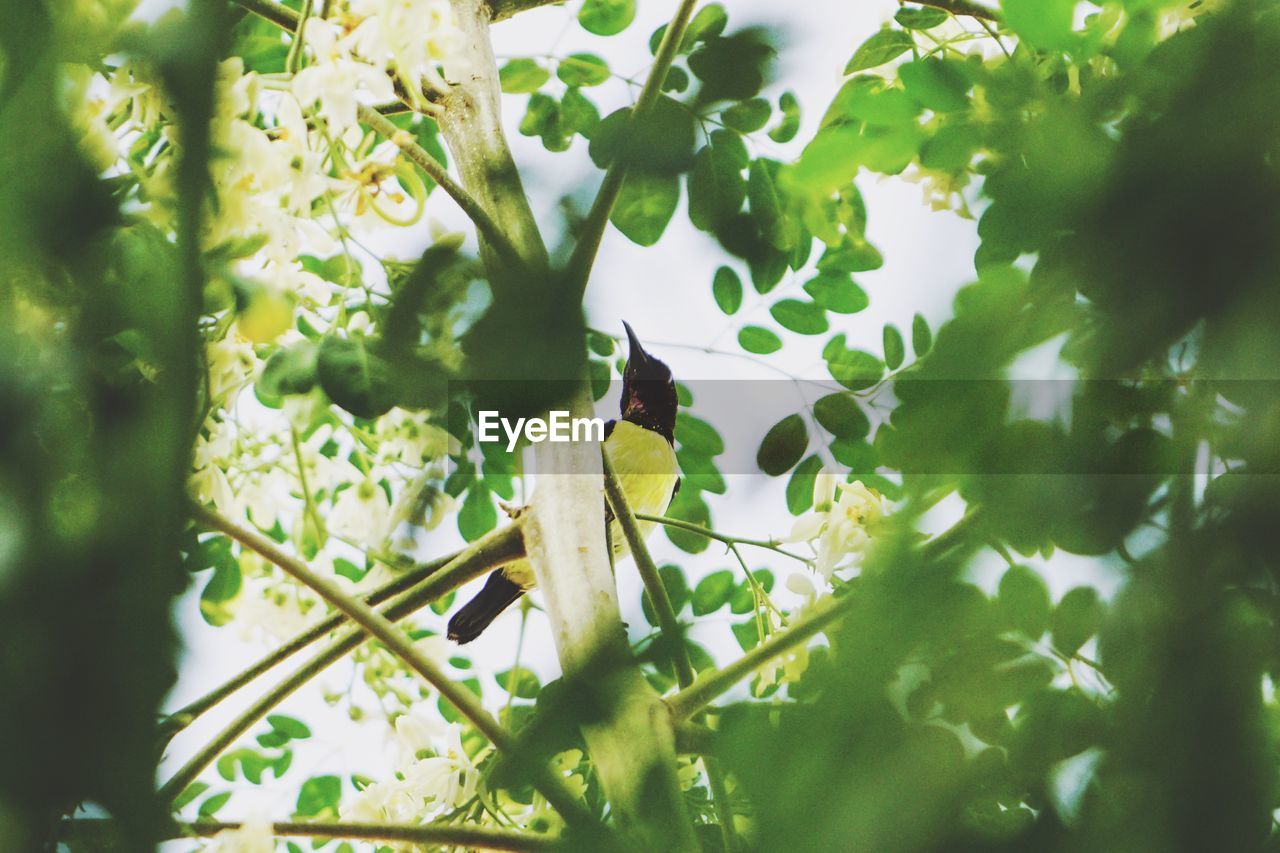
434, 774
841, 525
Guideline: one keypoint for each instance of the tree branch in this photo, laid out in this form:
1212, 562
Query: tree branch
494, 549
488, 229
592, 231
100, 831
656, 590
466, 702
471, 121
184, 716
709, 685
721, 537
629, 733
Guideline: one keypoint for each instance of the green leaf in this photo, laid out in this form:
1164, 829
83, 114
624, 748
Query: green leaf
1023, 602
894, 348
211, 805
748, 116
840, 415
606, 17
700, 472
915, 18
789, 125
319, 795
803, 318
354, 377
221, 588
712, 592
522, 76
698, 436
837, 292
689, 506
583, 69
677, 79
765, 205
882, 47
519, 682
758, 340
726, 287
189, 795
951, 148
716, 186
935, 84
747, 634
855, 369
921, 337
854, 254
1042, 24
645, 206
800, 485
578, 114
709, 22
291, 370
288, 726
783, 446
868, 99
478, 515
1077, 617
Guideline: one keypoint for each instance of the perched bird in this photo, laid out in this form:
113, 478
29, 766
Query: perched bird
641, 448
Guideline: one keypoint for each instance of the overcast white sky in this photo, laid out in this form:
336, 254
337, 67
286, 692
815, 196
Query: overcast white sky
664, 292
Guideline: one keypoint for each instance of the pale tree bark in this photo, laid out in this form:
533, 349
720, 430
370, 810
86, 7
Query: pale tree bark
629, 730
630, 736
471, 122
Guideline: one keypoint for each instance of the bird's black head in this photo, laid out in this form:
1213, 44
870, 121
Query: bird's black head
648, 391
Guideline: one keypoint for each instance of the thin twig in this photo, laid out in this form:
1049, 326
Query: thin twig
592, 231
467, 703
720, 537
495, 548
184, 716
711, 684
437, 172
656, 590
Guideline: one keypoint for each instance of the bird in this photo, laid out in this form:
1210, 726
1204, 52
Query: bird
641, 448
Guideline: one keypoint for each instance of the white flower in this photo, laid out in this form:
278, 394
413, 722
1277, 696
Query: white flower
840, 526
252, 836
408, 36
444, 778
335, 76
361, 513
230, 363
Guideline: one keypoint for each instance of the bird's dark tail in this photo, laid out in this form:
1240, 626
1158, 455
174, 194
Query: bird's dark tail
498, 594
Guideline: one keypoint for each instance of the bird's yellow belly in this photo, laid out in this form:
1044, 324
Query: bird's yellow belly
647, 471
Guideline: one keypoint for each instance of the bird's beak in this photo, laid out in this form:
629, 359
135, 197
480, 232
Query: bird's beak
637, 354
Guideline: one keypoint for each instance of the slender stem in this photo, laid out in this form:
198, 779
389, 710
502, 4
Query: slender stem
437, 172
720, 799
299, 35
493, 549
184, 716
656, 590
588, 245
720, 537
438, 834
458, 695
711, 684
277, 13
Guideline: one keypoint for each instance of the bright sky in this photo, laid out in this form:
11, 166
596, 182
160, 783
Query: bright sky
664, 292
